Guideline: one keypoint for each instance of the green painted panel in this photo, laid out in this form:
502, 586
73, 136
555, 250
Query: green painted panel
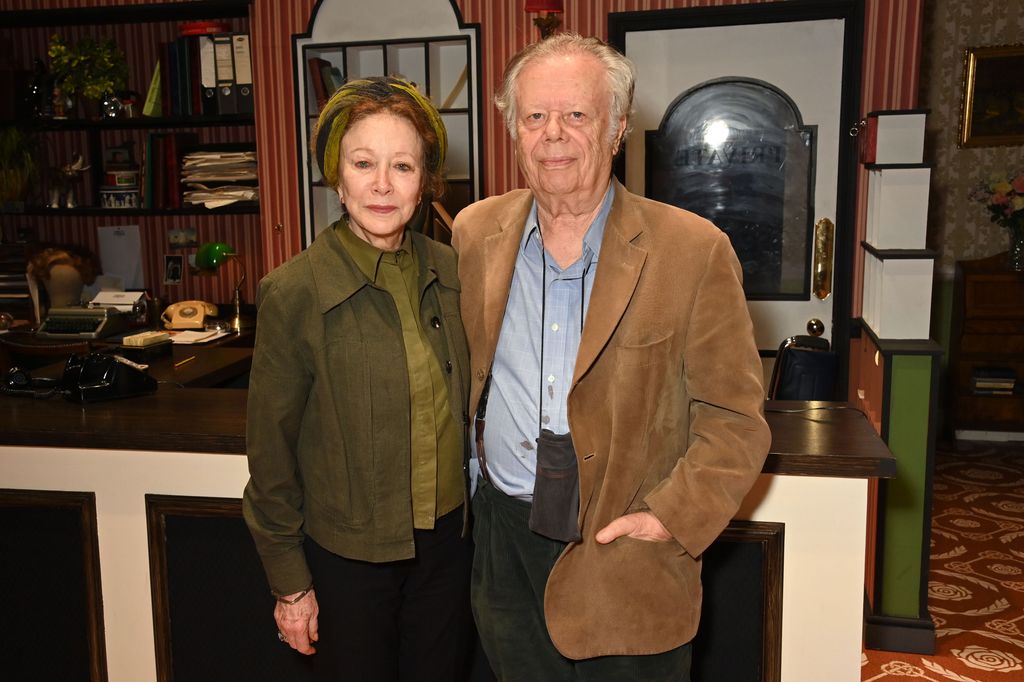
904, 511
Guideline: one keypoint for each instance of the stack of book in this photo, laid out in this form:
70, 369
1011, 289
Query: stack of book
993, 380
161, 168
207, 71
325, 78
219, 177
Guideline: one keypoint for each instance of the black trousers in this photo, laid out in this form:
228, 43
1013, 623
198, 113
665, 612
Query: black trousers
401, 621
510, 572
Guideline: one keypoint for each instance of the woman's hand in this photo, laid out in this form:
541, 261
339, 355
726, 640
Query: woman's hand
297, 622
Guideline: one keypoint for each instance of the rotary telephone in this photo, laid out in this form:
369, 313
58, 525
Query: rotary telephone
188, 314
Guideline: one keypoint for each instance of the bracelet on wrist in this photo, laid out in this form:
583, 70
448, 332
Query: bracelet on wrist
294, 600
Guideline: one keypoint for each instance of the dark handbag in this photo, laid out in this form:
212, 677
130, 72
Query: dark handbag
556, 490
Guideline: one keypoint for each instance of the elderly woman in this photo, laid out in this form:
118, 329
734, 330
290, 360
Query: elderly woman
356, 498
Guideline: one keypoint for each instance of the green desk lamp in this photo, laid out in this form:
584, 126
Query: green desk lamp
209, 259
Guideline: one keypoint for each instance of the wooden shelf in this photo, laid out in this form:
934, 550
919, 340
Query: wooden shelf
243, 208
147, 122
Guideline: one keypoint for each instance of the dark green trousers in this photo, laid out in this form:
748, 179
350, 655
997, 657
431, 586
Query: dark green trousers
511, 564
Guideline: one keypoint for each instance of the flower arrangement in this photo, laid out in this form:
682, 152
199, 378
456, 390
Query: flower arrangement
1003, 197
89, 68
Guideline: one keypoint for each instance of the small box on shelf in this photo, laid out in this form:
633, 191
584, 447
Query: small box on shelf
897, 293
893, 137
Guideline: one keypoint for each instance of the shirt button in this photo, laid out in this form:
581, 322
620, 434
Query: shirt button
448, 366
554, 327
551, 378
435, 322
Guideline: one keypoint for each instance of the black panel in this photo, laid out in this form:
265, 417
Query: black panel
221, 624
47, 613
739, 634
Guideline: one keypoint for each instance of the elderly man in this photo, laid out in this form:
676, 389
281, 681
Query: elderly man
615, 370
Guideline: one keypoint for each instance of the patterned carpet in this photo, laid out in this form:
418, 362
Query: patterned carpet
976, 576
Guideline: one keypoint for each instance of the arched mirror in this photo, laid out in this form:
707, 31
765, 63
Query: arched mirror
430, 46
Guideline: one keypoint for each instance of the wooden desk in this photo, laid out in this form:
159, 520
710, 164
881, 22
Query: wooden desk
184, 413
189, 443
815, 442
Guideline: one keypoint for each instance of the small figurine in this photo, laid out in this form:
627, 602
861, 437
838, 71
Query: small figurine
62, 191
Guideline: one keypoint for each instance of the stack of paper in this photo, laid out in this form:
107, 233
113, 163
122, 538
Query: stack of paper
219, 178
197, 336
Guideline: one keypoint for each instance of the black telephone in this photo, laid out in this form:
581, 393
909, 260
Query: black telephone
86, 379
19, 382
95, 377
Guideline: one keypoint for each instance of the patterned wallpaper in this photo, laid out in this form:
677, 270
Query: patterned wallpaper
958, 228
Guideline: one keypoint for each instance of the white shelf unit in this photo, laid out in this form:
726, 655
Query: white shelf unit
898, 268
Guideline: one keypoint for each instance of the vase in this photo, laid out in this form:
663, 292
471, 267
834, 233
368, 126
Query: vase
1016, 253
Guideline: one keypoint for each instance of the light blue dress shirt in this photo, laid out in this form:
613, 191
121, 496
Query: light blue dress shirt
529, 392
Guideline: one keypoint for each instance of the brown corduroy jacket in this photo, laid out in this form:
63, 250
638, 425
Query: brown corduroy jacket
665, 410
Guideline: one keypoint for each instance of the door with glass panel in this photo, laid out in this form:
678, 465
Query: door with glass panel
746, 124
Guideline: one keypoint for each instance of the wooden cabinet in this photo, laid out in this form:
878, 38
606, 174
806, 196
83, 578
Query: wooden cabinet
988, 334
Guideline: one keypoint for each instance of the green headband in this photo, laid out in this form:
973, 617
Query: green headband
334, 117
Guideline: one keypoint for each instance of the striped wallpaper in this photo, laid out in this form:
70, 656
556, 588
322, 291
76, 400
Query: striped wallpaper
890, 80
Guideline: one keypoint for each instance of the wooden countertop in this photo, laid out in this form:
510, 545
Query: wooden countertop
816, 438
821, 439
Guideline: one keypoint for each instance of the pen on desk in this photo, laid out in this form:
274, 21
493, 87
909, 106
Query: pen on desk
182, 362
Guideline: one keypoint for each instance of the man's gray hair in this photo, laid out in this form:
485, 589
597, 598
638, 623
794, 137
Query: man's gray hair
620, 71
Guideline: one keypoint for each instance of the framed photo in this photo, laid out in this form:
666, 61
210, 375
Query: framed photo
993, 96
182, 237
172, 269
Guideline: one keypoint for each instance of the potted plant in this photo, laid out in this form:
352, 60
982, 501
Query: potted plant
17, 165
88, 69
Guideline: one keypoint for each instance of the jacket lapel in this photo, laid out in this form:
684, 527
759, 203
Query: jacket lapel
335, 274
618, 271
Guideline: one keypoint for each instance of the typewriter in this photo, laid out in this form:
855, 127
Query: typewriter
82, 323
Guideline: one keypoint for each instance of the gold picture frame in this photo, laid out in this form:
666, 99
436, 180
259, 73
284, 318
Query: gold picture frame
992, 109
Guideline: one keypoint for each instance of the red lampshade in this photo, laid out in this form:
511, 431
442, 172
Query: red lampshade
545, 6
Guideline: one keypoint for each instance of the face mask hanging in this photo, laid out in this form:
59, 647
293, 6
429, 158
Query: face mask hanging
556, 490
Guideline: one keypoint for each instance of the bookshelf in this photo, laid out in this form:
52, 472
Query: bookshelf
139, 30
162, 24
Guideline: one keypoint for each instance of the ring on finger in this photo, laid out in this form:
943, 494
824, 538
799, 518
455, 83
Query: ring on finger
281, 637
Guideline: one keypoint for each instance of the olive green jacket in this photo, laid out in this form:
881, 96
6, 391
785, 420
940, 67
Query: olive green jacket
328, 412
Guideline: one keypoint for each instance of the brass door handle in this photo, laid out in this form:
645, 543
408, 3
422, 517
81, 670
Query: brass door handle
821, 267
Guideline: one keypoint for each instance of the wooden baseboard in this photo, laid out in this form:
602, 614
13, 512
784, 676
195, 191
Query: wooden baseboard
905, 635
